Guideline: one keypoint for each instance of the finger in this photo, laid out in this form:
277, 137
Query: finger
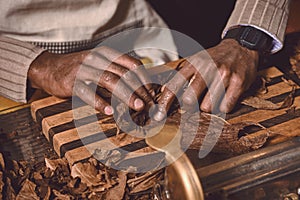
216, 92
234, 91
171, 89
88, 96
112, 83
131, 64
193, 92
131, 79
96, 61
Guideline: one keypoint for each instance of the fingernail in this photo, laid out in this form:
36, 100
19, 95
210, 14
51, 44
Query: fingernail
108, 110
159, 116
138, 103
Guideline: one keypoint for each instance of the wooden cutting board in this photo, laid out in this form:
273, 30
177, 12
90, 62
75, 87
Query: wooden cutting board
58, 123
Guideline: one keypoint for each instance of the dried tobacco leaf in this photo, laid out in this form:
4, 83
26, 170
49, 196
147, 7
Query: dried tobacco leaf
264, 89
87, 173
28, 191
9, 192
1, 184
295, 60
296, 69
37, 176
145, 181
260, 103
54, 164
2, 162
118, 191
60, 196
78, 189
107, 157
96, 196
45, 192
224, 134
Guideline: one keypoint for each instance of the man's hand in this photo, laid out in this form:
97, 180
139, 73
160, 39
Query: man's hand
230, 71
57, 74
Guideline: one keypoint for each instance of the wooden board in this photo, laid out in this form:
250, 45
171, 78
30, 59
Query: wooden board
58, 123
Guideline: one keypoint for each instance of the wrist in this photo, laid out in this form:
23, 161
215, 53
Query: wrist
232, 43
37, 72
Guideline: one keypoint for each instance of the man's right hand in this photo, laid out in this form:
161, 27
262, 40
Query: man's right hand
57, 74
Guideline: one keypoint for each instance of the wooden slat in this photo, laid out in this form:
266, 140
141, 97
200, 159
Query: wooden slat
44, 103
284, 131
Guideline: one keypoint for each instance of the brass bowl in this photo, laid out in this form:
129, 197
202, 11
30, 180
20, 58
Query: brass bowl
182, 181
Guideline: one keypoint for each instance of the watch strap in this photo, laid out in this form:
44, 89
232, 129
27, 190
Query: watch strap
251, 38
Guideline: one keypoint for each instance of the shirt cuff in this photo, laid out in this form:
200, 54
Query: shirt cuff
15, 59
266, 16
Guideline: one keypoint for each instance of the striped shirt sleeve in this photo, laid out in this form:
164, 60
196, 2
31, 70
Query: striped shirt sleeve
15, 59
269, 16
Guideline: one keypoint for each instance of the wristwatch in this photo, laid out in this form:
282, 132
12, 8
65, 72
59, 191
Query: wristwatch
251, 38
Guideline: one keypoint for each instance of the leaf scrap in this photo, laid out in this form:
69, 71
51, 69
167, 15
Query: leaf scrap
1, 184
9, 192
2, 163
260, 103
295, 61
144, 181
54, 164
117, 192
60, 196
87, 173
28, 191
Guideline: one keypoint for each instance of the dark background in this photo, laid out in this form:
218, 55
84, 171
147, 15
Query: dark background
201, 20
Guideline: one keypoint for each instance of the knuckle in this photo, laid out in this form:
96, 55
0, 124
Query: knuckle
237, 80
80, 90
135, 64
225, 73
108, 77
189, 100
128, 76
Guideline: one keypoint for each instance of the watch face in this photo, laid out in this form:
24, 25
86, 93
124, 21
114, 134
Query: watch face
250, 38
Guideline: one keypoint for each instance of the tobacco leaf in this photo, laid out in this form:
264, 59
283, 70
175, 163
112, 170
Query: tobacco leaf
54, 164
263, 89
96, 196
27, 191
60, 196
87, 173
1, 184
144, 181
9, 192
2, 162
76, 187
37, 176
295, 60
118, 191
260, 103
296, 69
107, 156
219, 134
44, 192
